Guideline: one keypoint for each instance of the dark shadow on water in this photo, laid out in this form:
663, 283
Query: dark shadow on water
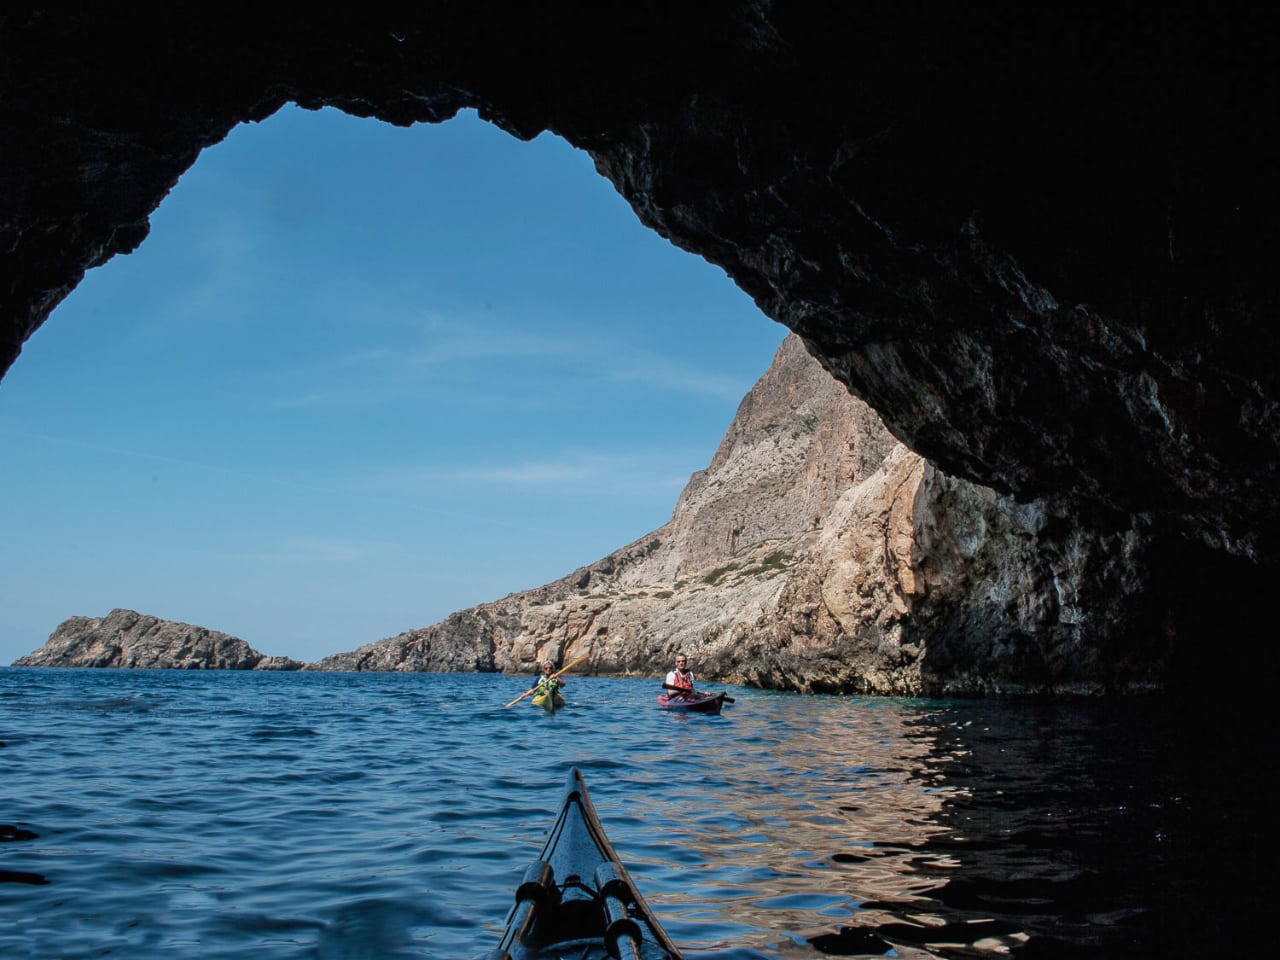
18, 876
1118, 829
10, 834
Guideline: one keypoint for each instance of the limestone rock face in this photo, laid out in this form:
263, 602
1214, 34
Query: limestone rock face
817, 553
799, 440
124, 638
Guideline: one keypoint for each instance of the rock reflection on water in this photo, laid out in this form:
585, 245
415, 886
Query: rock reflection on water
918, 829
783, 825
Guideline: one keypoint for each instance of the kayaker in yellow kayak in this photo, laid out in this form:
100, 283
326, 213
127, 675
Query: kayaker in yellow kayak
547, 692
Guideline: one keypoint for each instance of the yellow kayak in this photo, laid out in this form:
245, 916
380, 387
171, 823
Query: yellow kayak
547, 702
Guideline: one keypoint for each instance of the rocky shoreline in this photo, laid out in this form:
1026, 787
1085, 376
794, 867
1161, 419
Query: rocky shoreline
815, 553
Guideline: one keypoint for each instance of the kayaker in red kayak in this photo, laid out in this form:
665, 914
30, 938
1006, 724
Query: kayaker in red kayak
682, 678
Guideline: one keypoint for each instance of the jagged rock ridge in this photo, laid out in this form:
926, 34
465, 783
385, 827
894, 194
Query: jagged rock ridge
124, 638
797, 444
818, 553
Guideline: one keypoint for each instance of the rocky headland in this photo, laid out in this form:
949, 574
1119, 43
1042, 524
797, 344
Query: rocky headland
814, 553
818, 553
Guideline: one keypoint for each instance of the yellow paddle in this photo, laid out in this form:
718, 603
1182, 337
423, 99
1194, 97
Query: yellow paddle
569, 666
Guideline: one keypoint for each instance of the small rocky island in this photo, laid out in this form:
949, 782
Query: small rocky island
124, 638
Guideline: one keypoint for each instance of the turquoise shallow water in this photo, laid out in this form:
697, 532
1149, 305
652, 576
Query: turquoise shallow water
148, 814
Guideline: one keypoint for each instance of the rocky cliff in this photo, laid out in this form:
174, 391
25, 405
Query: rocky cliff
124, 638
817, 553
814, 553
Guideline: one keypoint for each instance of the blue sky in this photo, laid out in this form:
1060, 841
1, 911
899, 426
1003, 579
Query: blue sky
359, 377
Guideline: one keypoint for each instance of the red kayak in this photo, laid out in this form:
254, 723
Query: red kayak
696, 703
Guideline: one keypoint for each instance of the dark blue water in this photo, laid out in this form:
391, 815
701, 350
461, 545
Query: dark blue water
149, 814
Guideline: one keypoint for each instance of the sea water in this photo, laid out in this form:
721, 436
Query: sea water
148, 814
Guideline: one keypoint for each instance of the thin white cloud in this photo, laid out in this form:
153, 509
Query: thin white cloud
670, 375
398, 371
112, 451
579, 470
588, 472
296, 480
329, 550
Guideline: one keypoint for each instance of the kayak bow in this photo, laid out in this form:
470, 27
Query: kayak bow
577, 899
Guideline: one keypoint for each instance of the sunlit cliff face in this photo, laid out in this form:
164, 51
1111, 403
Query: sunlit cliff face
1041, 245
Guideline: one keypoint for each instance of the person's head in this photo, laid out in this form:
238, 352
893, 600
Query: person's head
682, 662
547, 666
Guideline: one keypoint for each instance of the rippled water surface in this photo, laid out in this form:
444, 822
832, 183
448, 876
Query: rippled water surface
148, 814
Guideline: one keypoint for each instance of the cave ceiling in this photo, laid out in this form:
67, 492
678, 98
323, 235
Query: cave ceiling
1042, 244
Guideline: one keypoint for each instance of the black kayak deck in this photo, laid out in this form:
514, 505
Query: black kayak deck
698, 703
577, 899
